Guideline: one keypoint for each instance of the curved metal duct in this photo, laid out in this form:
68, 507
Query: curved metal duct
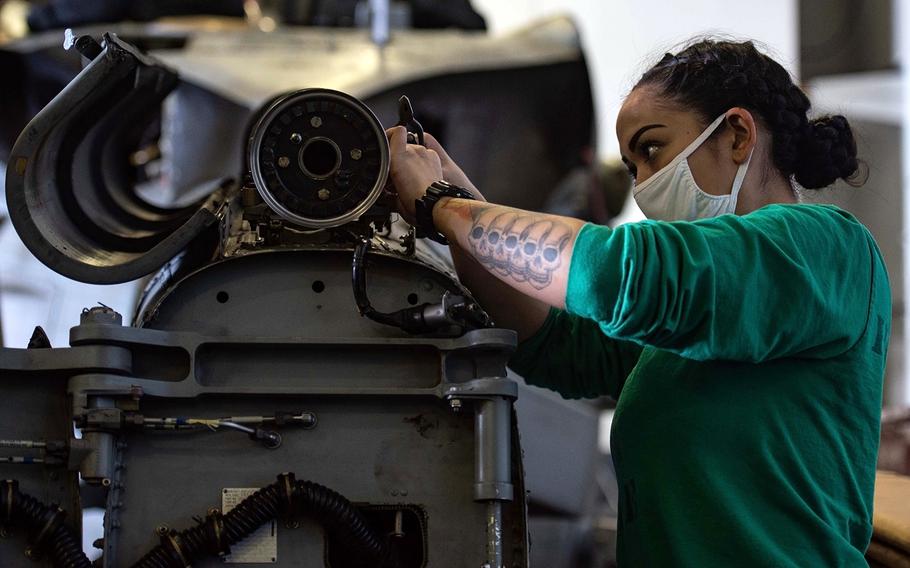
69, 188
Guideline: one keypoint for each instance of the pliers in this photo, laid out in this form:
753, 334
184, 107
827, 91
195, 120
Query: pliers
406, 119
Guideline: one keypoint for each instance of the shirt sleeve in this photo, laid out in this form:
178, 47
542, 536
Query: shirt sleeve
572, 356
786, 280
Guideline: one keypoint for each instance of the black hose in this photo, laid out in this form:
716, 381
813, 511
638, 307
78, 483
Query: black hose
410, 319
359, 282
47, 533
287, 498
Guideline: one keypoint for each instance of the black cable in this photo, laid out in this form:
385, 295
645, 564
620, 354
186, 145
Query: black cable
287, 498
47, 533
359, 282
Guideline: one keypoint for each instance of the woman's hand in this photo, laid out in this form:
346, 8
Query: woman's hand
414, 168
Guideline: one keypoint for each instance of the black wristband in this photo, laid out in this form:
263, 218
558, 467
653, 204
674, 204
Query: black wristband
423, 208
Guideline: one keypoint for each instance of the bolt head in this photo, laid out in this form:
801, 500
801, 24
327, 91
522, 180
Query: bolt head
296, 138
284, 162
324, 194
356, 154
455, 404
316, 122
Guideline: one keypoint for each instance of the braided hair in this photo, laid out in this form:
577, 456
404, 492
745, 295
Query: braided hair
712, 76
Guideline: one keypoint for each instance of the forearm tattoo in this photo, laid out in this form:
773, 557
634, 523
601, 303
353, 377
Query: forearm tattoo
518, 244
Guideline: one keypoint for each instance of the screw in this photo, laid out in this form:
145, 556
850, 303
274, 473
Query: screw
316, 122
455, 404
398, 531
161, 530
324, 194
284, 162
292, 524
296, 138
106, 482
356, 154
213, 511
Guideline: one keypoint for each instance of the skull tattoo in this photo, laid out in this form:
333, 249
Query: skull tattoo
512, 244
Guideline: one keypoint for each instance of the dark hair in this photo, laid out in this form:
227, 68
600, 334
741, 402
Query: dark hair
712, 76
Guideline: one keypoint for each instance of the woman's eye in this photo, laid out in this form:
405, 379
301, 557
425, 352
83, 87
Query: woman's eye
648, 150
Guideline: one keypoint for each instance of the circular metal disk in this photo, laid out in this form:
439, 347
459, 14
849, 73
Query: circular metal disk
302, 158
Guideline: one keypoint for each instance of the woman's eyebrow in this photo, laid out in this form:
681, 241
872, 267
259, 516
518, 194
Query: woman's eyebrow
641, 131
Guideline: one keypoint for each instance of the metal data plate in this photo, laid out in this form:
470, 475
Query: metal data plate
261, 546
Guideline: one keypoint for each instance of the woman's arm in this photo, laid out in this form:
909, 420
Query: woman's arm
528, 252
508, 307
497, 250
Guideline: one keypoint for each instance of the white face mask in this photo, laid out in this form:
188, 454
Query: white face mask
671, 194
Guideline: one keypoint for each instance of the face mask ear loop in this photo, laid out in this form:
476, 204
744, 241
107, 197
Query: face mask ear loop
740, 177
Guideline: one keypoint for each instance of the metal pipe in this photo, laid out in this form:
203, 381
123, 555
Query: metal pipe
380, 22
493, 447
494, 535
493, 468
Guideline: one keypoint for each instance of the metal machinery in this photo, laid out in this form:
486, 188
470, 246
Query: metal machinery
299, 368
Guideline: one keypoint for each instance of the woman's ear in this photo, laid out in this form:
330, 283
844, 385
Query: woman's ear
744, 133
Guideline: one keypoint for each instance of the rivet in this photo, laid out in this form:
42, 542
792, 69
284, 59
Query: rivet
356, 154
316, 122
284, 162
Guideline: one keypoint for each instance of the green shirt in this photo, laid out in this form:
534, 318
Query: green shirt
746, 355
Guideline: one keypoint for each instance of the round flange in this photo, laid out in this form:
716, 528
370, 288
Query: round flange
319, 158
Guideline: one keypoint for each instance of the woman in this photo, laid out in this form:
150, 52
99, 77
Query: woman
742, 333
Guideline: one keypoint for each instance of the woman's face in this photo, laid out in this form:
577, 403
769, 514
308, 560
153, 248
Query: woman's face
653, 131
